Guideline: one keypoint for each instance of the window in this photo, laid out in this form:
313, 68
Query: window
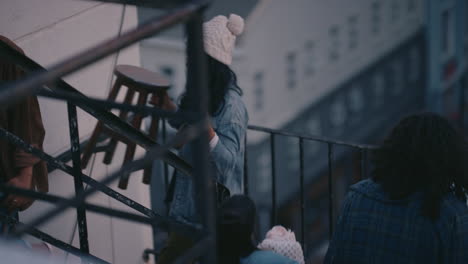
337, 113
334, 44
396, 77
376, 17
398, 69
356, 99
353, 32
291, 73
292, 155
264, 173
395, 10
414, 70
447, 31
258, 90
169, 73
412, 5
378, 88
465, 16
313, 127
310, 59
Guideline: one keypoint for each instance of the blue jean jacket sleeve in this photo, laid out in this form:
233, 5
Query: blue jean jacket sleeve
228, 152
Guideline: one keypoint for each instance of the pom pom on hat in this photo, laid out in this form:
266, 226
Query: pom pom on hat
219, 36
235, 24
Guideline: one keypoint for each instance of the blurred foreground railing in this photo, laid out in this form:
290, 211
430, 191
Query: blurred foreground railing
49, 83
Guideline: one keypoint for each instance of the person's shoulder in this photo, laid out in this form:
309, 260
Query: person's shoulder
234, 109
368, 189
267, 256
233, 97
452, 207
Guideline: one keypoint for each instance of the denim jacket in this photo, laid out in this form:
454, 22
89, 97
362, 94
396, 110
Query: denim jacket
375, 229
226, 159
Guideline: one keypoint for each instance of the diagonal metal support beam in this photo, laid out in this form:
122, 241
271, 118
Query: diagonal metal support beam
109, 105
90, 207
86, 258
182, 228
192, 132
110, 120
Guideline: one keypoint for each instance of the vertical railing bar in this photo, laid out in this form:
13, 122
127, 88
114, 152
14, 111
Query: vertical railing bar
273, 179
78, 181
165, 166
362, 155
197, 88
301, 182
330, 189
461, 105
246, 167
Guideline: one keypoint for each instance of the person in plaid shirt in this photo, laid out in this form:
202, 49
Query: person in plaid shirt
413, 209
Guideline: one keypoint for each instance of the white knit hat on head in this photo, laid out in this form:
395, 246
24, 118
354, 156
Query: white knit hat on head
283, 242
220, 36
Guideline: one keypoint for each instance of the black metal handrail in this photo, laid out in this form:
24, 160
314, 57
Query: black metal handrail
302, 137
96, 109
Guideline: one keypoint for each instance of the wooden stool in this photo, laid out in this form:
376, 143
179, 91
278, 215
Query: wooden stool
137, 80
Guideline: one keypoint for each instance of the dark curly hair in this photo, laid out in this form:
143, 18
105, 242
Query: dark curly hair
236, 222
220, 78
423, 153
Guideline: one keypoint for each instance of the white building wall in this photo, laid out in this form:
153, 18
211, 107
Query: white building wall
276, 28
50, 31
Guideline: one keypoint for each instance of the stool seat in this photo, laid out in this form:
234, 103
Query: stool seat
139, 78
138, 81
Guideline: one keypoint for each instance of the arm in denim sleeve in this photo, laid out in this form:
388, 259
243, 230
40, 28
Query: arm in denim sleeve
226, 152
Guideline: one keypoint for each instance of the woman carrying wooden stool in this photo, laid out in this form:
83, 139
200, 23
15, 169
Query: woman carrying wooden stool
227, 131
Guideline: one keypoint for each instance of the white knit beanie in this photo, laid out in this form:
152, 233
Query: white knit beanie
220, 36
283, 242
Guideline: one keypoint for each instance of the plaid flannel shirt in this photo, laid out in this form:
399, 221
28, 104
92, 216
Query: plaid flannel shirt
374, 229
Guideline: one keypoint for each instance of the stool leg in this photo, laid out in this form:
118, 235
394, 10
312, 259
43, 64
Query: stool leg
153, 133
113, 143
89, 149
136, 123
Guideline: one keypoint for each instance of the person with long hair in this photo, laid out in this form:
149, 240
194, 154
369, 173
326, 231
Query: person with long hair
413, 209
236, 222
226, 130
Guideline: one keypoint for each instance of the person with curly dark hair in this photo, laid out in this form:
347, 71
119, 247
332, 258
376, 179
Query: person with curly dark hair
413, 209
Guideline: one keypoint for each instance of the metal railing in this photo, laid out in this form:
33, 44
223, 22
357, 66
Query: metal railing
48, 83
302, 138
